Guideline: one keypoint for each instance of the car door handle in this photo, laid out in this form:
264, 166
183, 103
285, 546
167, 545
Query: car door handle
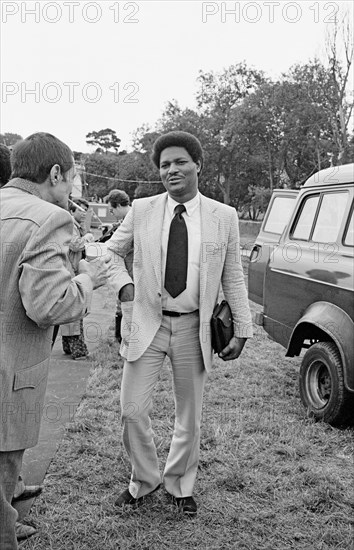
255, 253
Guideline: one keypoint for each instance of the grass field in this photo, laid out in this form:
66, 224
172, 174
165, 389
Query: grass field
269, 477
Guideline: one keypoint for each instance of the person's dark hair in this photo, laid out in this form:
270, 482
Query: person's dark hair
5, 164
34, 157
177, 139
80, 201
117, 197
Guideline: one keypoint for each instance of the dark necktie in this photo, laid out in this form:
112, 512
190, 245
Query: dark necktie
177, 254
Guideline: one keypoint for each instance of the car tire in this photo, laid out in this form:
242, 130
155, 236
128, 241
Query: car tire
322, 388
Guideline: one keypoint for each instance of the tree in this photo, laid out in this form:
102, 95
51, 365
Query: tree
310, 140
252, 132
219, 93
256, 201
143, 141
123, 171
105, 140
281, 133
144, 138
351, 149
9, 139
339, 71
136, 167
148, 190
99, 169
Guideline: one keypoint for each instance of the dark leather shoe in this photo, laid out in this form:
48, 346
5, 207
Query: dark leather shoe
126, 499
24, 531
30, 491
186, 505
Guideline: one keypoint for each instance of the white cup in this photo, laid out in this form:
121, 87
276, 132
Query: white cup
95, 250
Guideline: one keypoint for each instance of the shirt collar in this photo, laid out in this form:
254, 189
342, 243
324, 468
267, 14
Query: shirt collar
25, 185
190, 206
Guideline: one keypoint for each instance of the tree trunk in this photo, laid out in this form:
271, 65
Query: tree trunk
226, 191
343, 150
224, 186
270, 168
318, 157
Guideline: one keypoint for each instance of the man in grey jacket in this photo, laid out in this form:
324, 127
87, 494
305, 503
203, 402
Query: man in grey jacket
37, 292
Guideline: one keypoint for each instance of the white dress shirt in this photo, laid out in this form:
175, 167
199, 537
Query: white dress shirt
188, 300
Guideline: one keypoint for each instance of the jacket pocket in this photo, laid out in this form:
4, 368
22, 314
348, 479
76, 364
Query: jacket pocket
31, 377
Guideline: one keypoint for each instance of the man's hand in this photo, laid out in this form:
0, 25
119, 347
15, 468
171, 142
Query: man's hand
96, 269
126, 293
233, 349
88, 237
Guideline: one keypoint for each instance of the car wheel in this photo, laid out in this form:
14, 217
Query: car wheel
322, 388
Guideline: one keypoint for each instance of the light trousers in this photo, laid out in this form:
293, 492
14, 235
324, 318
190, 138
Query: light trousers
10, 468
177, 338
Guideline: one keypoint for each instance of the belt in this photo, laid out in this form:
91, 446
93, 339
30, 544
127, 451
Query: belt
177, 313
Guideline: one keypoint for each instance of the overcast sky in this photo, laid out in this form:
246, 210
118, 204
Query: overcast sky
69, 67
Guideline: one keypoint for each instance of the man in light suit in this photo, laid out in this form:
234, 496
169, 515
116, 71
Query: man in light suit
37, 292
174, 321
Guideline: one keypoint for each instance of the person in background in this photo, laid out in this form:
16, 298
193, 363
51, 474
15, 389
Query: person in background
5, 164
186, 248
119, 206
37, 291
73, 339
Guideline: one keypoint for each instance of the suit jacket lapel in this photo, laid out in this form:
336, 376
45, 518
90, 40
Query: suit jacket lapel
154, 221
209, 240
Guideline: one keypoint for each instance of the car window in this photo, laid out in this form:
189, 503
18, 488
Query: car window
330, 217
279, 214
302, 230
349, 236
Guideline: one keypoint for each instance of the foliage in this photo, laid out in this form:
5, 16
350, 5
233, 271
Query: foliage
144, 138
136, 166
251, 134
256, 201
99, 169
148, 189
281, 133
220, 91
339, 67
218, 95
105, 139
9, 139
122, 171
308, 143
